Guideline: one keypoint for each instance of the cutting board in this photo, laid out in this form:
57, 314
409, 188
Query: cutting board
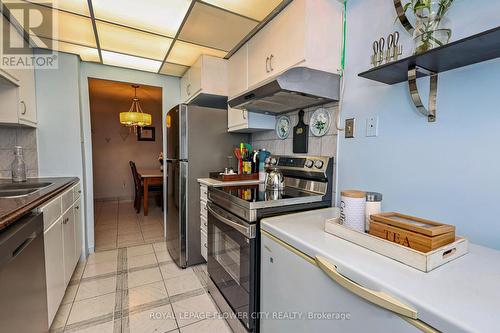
300, 135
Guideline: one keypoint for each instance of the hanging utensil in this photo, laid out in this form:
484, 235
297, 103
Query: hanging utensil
300, 135
390, 48
381, 45
398, 49
374, 57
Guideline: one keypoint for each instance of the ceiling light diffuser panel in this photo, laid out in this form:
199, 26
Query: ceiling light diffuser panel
158, 16
124, 40
173, 69
85, 53
127, 61
255, 9
75, 6
71, 28
186, 53
216, 28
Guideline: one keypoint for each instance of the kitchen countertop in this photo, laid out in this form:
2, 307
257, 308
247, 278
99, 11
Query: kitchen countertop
218, 183
460, 296
13, 208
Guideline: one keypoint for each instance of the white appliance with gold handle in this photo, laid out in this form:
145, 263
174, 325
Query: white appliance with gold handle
379, 298
297, 296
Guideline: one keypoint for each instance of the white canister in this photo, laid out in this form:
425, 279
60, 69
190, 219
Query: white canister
373, 206
352, 209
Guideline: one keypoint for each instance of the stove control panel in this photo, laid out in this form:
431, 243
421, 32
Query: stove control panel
299, 163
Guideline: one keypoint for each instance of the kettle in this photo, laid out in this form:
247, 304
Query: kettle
275, 180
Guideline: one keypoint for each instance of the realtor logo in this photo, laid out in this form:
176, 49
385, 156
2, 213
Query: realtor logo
31, 26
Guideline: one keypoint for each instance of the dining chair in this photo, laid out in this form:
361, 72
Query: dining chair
139, 188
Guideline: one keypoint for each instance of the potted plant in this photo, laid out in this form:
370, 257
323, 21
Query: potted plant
431, 26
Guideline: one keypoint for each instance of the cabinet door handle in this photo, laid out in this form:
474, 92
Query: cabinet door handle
376, 297
271, 63
188, 89
244, 114
267, 64
24, 108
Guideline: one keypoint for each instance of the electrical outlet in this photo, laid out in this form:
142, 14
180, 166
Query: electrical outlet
372, 126
349, 128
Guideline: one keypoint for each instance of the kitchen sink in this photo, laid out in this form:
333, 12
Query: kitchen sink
11, 190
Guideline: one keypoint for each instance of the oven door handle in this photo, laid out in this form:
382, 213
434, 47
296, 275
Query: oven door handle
248, 231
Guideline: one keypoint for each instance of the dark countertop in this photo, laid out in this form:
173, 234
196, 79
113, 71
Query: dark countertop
13, 208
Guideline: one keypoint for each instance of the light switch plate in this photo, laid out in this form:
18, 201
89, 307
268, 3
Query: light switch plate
372, 126
349, 128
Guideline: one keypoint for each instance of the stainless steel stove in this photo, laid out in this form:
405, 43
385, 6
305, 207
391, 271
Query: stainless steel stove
234, 215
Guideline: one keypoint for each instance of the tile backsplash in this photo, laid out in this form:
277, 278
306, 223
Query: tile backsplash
324, 146
24, 137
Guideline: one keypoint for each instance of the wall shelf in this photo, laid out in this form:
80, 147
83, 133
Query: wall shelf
471, 50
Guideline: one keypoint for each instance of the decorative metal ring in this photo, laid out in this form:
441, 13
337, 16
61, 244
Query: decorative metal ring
429, 112
402, 17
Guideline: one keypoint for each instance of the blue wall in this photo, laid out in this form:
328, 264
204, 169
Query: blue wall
448, 171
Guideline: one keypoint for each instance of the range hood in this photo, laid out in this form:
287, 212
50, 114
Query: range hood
296, 88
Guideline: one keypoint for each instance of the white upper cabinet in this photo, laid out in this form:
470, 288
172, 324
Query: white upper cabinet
207, 75
306, 33
17, 92
27, 97
238, 72
242, 121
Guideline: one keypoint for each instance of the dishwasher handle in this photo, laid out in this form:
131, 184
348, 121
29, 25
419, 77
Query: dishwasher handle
379, 298
18, 236
23, 245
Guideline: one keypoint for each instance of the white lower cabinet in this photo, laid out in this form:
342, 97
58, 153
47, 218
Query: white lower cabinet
77, 209
297, 296
63, 239
204, 246
54, 267
69, 244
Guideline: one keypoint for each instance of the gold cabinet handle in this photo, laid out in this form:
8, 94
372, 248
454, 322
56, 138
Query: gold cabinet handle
376, 297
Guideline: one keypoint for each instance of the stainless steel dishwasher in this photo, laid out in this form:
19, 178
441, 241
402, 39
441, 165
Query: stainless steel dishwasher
23, 294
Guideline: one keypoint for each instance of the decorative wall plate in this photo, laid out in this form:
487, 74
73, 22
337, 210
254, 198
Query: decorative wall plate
283, 127
320, 122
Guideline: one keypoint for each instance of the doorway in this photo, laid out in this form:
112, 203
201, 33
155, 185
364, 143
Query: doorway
120, 204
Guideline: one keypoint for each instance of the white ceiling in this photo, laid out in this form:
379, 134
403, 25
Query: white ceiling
163, 36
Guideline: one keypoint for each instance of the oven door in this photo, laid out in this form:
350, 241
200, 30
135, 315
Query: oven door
232, 255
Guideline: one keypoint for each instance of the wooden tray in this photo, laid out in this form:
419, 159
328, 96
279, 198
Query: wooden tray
234, 178
424, 262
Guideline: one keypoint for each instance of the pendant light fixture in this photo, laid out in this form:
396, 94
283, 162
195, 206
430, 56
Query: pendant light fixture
135, 117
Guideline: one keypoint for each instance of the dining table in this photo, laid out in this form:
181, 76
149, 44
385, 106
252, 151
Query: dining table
149, 176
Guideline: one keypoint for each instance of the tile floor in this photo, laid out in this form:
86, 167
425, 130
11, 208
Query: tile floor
137, 289
117, 225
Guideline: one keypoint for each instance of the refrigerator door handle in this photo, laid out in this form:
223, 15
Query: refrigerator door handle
183, 211
183, 132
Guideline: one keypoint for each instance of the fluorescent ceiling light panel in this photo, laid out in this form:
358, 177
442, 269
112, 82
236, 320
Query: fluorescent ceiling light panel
213, 27
123, 60
158, 16
255, 9
75, 6
119, 39
86, 53
186, 53
69, 28
173, 69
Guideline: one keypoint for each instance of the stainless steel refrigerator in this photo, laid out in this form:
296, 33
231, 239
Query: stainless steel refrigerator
197, 143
